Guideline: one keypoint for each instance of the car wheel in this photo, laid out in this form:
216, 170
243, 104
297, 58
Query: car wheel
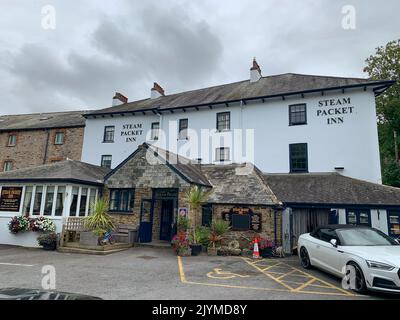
360, 284
304, 258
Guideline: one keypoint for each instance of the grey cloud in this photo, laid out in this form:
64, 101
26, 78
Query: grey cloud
176, 52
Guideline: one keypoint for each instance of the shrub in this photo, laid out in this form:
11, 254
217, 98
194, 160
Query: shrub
220, 227
183, 224
99, 219
47, 239
180, 243
202, 236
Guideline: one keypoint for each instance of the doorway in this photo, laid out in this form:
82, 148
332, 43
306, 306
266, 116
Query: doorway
166, 223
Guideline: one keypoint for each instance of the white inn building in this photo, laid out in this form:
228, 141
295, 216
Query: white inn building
287, 123
311, 140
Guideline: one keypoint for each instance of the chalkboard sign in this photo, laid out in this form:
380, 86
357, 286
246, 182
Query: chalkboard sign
240, 222
10, 199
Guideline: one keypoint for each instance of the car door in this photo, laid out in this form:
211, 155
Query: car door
330, 258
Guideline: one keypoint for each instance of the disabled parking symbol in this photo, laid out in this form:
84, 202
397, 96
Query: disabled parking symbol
223, 275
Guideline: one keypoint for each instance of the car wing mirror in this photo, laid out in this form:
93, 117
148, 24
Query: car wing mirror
334, 243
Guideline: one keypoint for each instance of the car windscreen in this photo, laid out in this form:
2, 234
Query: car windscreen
364, 237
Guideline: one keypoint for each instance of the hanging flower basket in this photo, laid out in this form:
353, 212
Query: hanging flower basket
18, 224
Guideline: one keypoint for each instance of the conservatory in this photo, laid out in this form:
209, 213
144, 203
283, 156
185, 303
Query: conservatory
55, 191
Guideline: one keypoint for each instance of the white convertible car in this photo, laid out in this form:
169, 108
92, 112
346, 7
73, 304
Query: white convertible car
373, 256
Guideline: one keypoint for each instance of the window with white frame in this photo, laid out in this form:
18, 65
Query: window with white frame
155, 128
74, 202
222, 154
83, 202
59, 138
12, 140
26, 209
8, 165
60, 199
92, 199
37, 203
48, 202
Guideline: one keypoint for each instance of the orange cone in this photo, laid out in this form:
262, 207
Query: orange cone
256, 252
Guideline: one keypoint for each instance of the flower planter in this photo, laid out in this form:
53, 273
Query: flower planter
184, 252
212, 251
196, 249
88, 238
50, 246
266, 252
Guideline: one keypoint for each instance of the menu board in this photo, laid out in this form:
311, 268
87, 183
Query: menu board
10, 199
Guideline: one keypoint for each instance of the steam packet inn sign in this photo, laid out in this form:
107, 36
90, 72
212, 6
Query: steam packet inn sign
10, 199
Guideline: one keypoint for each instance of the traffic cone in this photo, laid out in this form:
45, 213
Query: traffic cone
256, 252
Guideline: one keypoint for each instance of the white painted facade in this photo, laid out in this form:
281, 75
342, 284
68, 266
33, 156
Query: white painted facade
351, 144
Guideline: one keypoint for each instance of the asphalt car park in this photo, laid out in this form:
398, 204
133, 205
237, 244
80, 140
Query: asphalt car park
146, 273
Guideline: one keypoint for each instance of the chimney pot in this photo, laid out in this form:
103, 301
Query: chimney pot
157, 91
255, 72
119, 99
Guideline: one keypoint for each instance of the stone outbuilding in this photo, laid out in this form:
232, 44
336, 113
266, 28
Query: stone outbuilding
148, 190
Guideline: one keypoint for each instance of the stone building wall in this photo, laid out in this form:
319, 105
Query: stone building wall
30, 149
267, 225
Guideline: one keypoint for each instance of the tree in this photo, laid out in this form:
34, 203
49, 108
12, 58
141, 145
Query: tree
385, 65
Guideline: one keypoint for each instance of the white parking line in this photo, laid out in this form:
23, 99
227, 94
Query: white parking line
16, 264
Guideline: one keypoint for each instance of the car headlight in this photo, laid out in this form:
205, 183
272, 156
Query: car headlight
379, 265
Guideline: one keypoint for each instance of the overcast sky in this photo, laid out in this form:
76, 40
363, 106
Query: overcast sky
101, 46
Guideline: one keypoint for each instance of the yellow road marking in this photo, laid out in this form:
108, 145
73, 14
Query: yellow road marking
305, 285
286, 274
288, 288
181, 272
268, 275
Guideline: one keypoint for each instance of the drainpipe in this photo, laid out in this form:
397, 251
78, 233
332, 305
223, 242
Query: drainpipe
275, 225
46, 146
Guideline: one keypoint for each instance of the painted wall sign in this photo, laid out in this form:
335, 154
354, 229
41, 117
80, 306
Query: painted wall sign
335, 110
132, 131
10, 199
242, 218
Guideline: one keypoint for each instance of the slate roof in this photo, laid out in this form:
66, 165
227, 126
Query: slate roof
234, 184
42, 121
276, 85
330, 188
65, 171
182, 165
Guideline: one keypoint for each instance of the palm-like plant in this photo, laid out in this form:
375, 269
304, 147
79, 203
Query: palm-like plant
195, 197
99, 219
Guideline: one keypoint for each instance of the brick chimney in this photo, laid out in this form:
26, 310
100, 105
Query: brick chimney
255, 72
119, 99
157, 91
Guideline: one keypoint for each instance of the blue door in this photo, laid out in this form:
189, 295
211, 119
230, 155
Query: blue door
146, 221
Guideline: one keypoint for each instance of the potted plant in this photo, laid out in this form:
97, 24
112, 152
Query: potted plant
266, 247
41, 224
203, 235
195, 243
98, 223
48, 241
180, 243
18, 224
219, 228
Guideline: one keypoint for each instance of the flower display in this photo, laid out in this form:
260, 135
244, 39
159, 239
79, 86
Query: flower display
18, 224
41, 224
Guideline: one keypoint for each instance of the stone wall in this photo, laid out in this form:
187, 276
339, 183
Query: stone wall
30, 149
267, 225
